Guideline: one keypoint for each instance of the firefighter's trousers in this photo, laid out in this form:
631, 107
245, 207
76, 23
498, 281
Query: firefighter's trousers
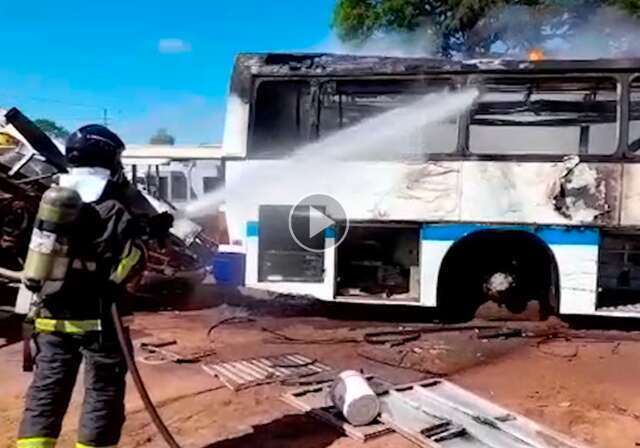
57, 361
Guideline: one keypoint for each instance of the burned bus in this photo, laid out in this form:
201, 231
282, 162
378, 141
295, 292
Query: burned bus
528, 195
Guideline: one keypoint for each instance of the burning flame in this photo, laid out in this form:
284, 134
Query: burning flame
536, 55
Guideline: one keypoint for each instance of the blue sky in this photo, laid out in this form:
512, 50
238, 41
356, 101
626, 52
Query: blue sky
151, 64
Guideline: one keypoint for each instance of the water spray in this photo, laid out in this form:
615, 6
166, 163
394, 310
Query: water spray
315, 160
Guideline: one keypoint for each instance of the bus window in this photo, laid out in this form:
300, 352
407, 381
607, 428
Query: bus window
634, 116
178, 186
211, 183
346, 103
281, 118
545, 116
163, 188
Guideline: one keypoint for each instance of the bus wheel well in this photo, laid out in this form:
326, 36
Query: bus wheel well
509, 267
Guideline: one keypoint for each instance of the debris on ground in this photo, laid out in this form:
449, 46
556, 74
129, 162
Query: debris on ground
506, 369
502, 333
241, 374
432, 413
159, 354
317, 402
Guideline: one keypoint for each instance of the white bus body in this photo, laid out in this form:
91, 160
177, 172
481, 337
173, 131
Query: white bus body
559, 226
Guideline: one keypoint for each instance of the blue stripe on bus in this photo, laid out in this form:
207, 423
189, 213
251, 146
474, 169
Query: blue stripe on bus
330, 233
562, 235
551, 235
253, 228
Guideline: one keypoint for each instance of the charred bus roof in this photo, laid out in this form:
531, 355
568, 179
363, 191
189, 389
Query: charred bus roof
249, 65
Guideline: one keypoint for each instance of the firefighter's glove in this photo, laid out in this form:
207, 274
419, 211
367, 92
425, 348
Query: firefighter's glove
160, 224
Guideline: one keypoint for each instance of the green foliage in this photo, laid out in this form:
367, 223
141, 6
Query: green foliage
356, 19
51, 128
470, 26
162, 137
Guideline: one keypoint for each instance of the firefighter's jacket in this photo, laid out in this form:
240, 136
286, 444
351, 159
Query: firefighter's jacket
104, 254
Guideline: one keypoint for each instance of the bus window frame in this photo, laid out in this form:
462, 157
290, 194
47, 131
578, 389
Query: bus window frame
253, 101
452, 80
632, 155
476, 81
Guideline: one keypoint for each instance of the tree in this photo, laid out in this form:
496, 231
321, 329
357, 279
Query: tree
162, 137
474, 27
51, 128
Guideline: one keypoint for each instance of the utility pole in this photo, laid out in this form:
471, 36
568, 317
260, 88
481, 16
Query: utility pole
105, 117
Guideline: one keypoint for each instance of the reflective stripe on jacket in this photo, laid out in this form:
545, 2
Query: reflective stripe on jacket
47, 325
131, 256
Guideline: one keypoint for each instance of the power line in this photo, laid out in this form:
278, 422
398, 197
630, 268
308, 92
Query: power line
105, 114
53, 100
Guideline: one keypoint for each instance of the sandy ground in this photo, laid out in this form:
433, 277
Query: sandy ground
588, 389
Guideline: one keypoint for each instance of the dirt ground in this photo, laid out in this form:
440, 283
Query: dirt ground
587, 387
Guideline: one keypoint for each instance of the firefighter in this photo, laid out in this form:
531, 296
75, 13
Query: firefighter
74, 324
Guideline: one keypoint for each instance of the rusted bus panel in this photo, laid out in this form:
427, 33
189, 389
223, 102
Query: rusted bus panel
589, 192
569, 192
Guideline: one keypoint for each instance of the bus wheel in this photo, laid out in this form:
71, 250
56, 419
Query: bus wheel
508, 267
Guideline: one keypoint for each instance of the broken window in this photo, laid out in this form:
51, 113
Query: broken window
347, 103
280, 118
634, 115
567, 115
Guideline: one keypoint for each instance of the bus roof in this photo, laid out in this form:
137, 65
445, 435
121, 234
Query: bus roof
326, 65
142, 152
319, 64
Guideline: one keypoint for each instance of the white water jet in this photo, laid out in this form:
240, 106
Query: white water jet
315, 160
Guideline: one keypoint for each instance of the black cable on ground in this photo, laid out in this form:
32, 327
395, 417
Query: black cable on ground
137, 380
227, 321
282, 338
399, 365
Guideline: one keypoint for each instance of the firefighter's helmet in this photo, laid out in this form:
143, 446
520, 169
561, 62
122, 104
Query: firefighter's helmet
95, 146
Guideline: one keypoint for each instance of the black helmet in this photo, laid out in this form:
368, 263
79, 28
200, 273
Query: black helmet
94, 145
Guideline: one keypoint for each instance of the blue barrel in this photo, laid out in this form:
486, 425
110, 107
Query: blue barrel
228, 268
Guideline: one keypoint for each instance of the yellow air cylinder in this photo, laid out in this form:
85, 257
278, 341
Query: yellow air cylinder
47, 260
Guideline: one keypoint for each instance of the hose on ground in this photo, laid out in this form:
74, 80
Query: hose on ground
137, 380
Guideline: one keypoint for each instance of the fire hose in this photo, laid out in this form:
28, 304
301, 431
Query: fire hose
137, 380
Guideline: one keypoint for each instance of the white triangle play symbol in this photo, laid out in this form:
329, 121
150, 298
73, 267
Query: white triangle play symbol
318, 221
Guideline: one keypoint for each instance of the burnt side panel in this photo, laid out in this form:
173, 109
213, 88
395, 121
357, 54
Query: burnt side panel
280, 257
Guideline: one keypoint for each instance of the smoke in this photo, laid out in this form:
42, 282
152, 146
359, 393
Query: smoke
314, 163
418, 43
573, 31
608, 33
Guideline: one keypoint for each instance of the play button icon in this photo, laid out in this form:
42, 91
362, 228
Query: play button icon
318, 221
315, 222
